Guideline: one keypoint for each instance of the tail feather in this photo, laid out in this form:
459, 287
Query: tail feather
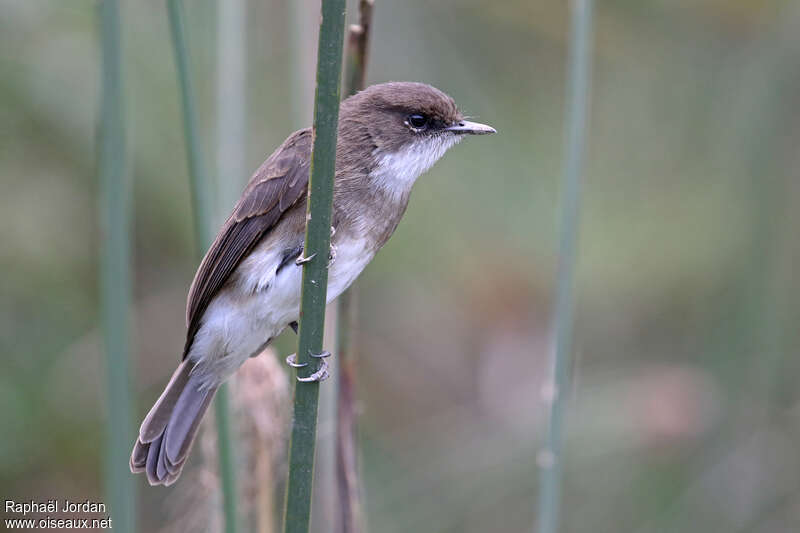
161, 467
139, 456
168, 430
160, 414
152, 460
185, 421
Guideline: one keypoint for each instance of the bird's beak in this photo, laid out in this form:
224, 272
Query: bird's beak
465, 127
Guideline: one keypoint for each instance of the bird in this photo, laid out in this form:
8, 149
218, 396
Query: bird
247, 288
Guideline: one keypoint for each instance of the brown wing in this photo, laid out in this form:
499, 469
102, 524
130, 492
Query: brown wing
280, 182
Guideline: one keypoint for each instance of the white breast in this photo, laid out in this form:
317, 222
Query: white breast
241, 318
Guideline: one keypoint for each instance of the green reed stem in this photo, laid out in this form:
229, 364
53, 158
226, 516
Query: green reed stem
203, 211
115, 271
577, 106
297, 516
349, 493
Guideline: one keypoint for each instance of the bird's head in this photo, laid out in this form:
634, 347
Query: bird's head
404, 127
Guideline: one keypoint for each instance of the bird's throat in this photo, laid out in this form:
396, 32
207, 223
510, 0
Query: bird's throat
397, 171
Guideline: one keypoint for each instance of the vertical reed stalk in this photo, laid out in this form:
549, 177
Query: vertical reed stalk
297, 516
231, 173
115, 266
351, 515
302, 60
203, 214
231, 102
357, 48
577, 104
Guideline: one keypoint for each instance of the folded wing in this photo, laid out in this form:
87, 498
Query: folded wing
275, 187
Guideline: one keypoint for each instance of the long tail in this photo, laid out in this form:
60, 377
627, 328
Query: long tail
168, 430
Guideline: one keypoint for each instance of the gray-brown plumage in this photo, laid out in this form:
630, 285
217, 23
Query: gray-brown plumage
247, 288
276, 186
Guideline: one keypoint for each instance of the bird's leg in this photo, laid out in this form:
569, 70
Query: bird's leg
320, 375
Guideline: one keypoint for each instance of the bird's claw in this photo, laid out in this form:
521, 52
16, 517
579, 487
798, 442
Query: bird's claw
292, 361
302, 260
331, 256
320, 375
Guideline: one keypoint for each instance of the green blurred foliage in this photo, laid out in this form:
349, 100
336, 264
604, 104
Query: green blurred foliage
684, 415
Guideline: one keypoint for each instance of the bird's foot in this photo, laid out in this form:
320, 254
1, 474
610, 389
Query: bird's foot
292, 361
320, 375
302, 260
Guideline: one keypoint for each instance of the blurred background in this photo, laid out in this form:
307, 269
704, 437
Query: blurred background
685, 410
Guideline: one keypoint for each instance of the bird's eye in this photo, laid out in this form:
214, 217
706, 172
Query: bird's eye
417, 121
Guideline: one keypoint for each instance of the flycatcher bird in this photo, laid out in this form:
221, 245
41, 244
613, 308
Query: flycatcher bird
247, 288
